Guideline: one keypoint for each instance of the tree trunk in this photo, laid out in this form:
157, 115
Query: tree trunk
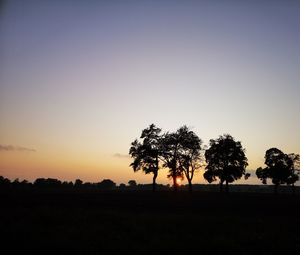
190, 185
293, 189
221, 186
227, 187
154, 181
174, 183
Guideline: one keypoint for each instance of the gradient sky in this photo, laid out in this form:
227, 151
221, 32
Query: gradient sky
79, 80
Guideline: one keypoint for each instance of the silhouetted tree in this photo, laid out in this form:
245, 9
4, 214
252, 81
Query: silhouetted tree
181, 153
47, 183
281, 168
170, 154
146, 153
67, 185
39, 182
106, 184
190, 158
88, 185
225, 160
25, 184
122, 186
78, 183
16, 183
4, 182
132, 183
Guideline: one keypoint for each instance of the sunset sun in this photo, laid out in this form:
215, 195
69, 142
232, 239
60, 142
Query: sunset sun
178, 181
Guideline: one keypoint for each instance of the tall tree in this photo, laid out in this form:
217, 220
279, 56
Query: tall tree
226, 160
190, 158
170, 155
281, 168
181, 153
146, 153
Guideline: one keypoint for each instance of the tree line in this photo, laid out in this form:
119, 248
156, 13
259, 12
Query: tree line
183, 154
52, 183
55, 184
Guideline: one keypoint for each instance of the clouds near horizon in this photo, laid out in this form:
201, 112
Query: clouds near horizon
15, 148
119, 155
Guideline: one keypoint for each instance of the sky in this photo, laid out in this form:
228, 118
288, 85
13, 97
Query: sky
79, 80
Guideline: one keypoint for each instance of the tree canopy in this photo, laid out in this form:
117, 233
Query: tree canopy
146, 153
181, 153
226, 160
281, 168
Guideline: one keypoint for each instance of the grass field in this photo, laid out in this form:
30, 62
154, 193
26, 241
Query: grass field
141, 222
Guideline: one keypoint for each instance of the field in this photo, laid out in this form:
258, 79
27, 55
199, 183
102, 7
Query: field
128, 222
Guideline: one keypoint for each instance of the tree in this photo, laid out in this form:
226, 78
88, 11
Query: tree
295, 170
4, 182
106, 184
226, 160
170, 153
190, 158
281, 168
146, 153
78, 183
67, 184
47, 183
132, 183
181, 154
122, 186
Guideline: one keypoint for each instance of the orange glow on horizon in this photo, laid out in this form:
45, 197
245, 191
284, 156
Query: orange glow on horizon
178, 181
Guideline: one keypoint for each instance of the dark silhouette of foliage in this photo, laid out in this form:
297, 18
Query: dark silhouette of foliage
190, 158
78, 183
226, 160
146, 154
132, 183
66, 184
4, 183
170, 153
295, 171
50, 185
281, 168
122, 186
47, 183
181, 154
16, 182
106, 184
88, 185
20, 184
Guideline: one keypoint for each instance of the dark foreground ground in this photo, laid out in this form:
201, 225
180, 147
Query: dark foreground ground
145, 223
